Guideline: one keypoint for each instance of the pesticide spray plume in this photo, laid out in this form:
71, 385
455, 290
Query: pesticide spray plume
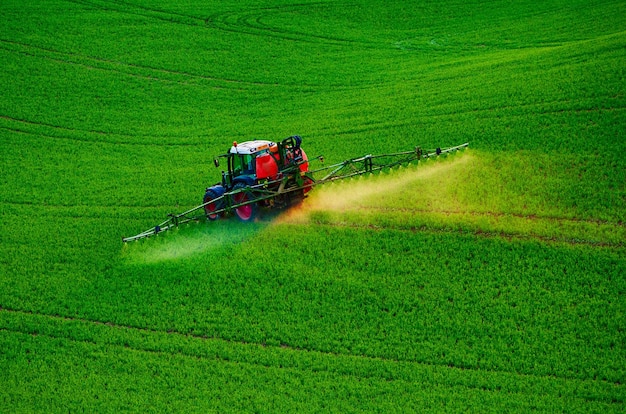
196, 238
371, 191
375, 189
276, 181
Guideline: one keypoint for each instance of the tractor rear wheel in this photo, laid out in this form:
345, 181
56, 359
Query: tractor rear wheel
248, 211
210, 208
308, 184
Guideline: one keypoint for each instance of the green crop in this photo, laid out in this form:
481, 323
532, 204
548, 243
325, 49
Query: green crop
492, 279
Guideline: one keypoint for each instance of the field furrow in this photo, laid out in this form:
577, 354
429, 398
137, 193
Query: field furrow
285, 358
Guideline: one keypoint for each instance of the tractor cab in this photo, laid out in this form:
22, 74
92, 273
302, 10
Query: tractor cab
252, 161
249, 162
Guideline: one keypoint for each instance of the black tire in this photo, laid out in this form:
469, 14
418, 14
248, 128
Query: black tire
210, 209
248, 211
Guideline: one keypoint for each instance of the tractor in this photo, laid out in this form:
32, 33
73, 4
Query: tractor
271, 174
256, 169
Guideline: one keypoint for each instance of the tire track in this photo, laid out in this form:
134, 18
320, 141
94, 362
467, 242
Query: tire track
250, 22
532, 217
131, 69
460, 229
510, 236
339, 372
137, 10
405, 373
155, 74
89, 211
483, 114
21, 126
85, 211
83, 206
237, 21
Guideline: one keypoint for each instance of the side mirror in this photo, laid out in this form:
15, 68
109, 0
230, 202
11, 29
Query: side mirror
216, 161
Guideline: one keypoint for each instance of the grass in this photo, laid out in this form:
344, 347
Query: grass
489, 280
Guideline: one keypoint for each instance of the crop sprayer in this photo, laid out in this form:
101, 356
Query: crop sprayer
266, 174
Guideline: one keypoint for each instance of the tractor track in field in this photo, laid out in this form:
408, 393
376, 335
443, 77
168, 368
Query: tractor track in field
339, 372
137, 10
240, 22
458, 228
100, 141
20, 129
132, 69
251, 22
156, 74
93, 66
531, 217
84, 211
91, 211
458, 116
510, 236
215, 354
76, 206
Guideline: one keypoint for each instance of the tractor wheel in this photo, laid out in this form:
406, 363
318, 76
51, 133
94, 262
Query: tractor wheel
308, 183
210, 209
246, 212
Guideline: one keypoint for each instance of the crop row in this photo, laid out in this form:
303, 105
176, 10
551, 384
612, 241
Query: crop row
503, 98
511, 194
214, 373
456, 300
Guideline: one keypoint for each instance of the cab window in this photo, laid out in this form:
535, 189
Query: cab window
243, 164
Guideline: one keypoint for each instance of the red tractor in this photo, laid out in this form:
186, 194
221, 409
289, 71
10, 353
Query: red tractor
275, 174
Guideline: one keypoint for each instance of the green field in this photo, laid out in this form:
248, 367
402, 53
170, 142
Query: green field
491, 280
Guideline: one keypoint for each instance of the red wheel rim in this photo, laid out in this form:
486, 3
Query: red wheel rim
307, 185
209, 209
244, 212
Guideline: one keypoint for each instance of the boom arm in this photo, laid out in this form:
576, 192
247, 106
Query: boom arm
346, 169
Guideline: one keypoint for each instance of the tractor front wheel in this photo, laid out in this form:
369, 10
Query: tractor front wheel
243, 195
210, 208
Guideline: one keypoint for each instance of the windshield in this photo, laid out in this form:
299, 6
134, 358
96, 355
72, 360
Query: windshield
243, 164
